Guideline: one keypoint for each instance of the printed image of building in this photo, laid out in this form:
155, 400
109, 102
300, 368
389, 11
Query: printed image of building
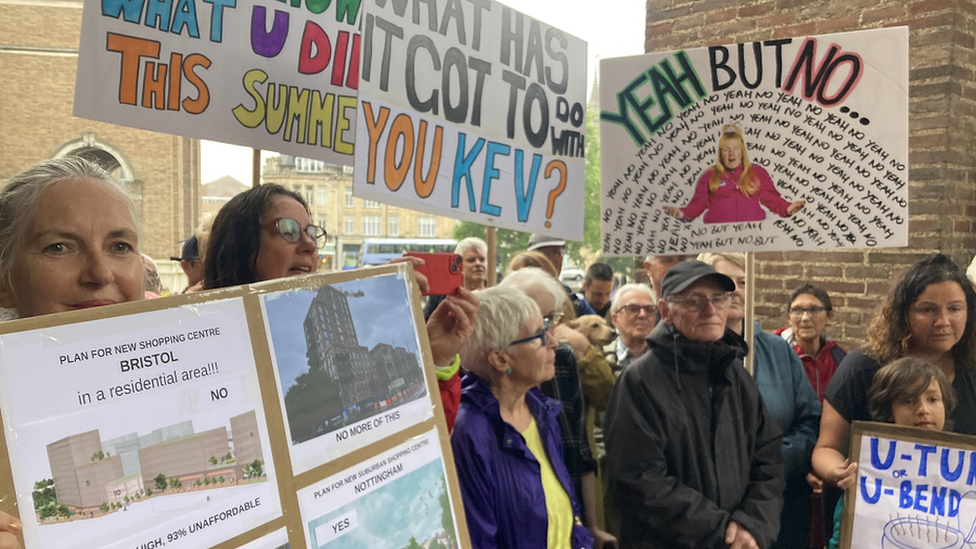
88, 472
345, 381
79, 476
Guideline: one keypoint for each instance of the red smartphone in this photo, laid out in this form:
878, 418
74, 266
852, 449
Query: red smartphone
443, 271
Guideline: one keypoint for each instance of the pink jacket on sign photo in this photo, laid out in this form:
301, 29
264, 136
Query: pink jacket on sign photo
729, 205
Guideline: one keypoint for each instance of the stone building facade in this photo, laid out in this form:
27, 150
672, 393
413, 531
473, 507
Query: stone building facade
38, 59
347, 219
942, 127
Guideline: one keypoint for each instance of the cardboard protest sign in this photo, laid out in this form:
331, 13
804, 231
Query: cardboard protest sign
266, 74
167, 422
474, 111
914, 489
796, 143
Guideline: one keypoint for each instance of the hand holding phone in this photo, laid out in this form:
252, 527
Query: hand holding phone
443, 271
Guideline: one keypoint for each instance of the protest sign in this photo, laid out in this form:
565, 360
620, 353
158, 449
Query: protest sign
914, 489
167, 422
474, 111
266, 74
399, 499
796, 143
347, 375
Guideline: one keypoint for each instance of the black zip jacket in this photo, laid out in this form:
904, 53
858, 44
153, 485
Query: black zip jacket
691, 447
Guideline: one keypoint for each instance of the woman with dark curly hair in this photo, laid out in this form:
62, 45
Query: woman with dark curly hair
930, 314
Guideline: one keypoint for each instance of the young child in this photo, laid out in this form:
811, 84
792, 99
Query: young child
909, 391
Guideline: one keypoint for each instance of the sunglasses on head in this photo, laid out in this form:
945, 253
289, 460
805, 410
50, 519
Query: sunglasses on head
292, 230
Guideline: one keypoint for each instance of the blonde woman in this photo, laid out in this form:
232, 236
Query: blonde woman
734, 189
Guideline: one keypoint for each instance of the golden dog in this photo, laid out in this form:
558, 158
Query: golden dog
594, 328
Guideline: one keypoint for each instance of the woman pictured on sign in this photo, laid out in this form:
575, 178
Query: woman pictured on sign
734, 189
516, 489
930, 314
68, 241
266, 233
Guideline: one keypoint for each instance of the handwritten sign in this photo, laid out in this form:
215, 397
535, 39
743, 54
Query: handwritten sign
817, 156
272, 75
474, 111
915, 489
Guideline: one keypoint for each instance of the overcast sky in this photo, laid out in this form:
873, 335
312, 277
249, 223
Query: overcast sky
611, 28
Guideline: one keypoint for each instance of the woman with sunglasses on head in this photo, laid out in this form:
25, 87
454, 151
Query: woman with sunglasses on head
266, 233
516, 489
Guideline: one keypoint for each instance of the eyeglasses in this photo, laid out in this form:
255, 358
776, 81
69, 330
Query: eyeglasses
697, 303
812, 311
634, 310
292, 230
553, 318
540, 336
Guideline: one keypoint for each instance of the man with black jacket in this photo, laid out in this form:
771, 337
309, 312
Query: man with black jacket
693, 457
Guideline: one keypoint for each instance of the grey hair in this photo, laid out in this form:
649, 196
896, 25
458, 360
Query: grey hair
618, 297
469, 243
533, 277
736, 258
502, 312
18, 200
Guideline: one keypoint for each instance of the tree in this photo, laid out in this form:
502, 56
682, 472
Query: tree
447, 516
228, 457
160, 482
44, 495
413, 544
103, 507
213, 460
148, 491
221, 479
256, 469
197, 483
63, 511
175, 483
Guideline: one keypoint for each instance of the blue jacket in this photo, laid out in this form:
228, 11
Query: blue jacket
500, 479
793, 405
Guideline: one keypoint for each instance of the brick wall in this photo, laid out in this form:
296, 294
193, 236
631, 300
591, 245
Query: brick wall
942, 126
38, 59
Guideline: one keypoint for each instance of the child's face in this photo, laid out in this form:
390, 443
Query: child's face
926, 411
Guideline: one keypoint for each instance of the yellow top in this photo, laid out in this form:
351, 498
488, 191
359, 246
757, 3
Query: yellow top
558, 506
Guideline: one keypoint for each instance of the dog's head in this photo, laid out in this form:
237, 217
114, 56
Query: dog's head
594, 328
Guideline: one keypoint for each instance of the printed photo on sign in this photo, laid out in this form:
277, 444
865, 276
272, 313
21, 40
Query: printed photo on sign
348, 364
278, 76
476, 112
397, 500
797, 143
148, 428
915, 489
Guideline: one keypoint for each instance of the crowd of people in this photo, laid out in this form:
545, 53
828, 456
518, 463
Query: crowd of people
616, 417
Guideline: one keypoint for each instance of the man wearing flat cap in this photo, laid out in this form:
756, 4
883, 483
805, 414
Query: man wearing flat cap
693, 458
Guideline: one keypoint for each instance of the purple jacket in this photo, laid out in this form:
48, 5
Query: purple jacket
727, 204
500, 479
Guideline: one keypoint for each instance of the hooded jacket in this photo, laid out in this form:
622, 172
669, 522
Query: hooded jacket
501, 486
690, 446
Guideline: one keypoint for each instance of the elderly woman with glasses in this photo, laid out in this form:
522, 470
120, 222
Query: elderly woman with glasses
516, 489
809, 312
266, 233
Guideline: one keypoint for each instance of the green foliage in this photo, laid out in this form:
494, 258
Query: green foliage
44, 496
64, 512
256, 469
160, 482
103, 507
148, 492
436, 544
413, 544
175, 483
447, 517
313, 397
221, 479
213, 460
228, 457
198, 483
